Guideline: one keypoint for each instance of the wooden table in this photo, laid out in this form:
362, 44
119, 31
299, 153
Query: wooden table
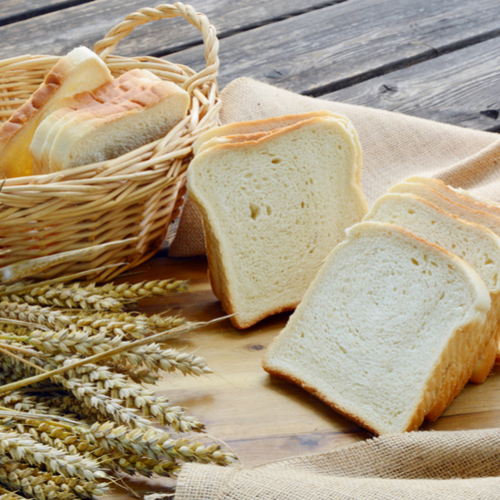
437, 60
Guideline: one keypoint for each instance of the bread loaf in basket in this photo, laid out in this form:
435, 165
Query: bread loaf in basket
113, 215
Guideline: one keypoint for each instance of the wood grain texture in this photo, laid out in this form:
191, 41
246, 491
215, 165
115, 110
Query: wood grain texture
57, 33
337, 46
14, 10
460, 88
261, 418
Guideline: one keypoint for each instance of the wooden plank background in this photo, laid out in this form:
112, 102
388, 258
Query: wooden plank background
442, 57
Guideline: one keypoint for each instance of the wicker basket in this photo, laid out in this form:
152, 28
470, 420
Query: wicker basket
109, 213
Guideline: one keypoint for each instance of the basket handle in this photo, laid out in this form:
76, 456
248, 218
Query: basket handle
165, 11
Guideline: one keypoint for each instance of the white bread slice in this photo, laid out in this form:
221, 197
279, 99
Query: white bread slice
389, 322
272, 211
79, 71
265, 125
459, 195
123, 115
115, 93
474, 243
488, 220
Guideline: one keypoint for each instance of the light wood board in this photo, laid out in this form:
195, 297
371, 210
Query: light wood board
259, 417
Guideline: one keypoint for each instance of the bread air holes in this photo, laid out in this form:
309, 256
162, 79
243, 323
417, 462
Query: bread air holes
254, 211
414, 262
411, 211
276, 160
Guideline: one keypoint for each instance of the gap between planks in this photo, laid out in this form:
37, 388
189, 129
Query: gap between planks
40, 11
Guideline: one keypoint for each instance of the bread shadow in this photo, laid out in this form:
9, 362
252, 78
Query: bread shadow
298, 396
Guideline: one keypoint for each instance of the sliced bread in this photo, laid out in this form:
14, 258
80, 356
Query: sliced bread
492, 222
389, 323
265, 125
487, 219
459, 195
232, 139
474, 243
133, 110
81, 70
273, 209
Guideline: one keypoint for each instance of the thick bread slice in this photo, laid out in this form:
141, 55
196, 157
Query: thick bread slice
474, 243
117, 118
459, 195
490, 221
389, 322
272, 210
486, 219
79, 71
108, 99
266, 125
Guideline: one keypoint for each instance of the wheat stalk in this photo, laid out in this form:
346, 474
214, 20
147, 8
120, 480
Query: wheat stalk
23, 447
33, 482
61, 296
139, 290
99, 357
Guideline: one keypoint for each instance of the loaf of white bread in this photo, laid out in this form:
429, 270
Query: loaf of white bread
274, 206
389, 331
124, 114
79, 71
81, 115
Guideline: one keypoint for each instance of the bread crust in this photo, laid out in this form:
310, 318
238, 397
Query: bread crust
16, 134
460, 197
264, 125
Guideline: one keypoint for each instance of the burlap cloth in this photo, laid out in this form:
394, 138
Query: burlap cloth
395, 147
418, 465
414, 466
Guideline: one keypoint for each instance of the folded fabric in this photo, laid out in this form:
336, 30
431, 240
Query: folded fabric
414, 466
395, 147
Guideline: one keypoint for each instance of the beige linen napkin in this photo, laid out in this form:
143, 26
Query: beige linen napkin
395, 147
462, 465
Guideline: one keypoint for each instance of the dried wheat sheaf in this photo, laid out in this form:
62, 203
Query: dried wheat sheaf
74, 409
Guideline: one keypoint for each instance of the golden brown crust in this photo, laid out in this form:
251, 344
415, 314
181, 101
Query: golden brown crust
37, 100
26, 112
264, 125
462, 198
485, 362
458, 364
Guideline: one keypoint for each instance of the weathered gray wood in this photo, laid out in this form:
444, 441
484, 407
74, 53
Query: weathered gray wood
461, 88
338, 46
14, 10
59, 32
